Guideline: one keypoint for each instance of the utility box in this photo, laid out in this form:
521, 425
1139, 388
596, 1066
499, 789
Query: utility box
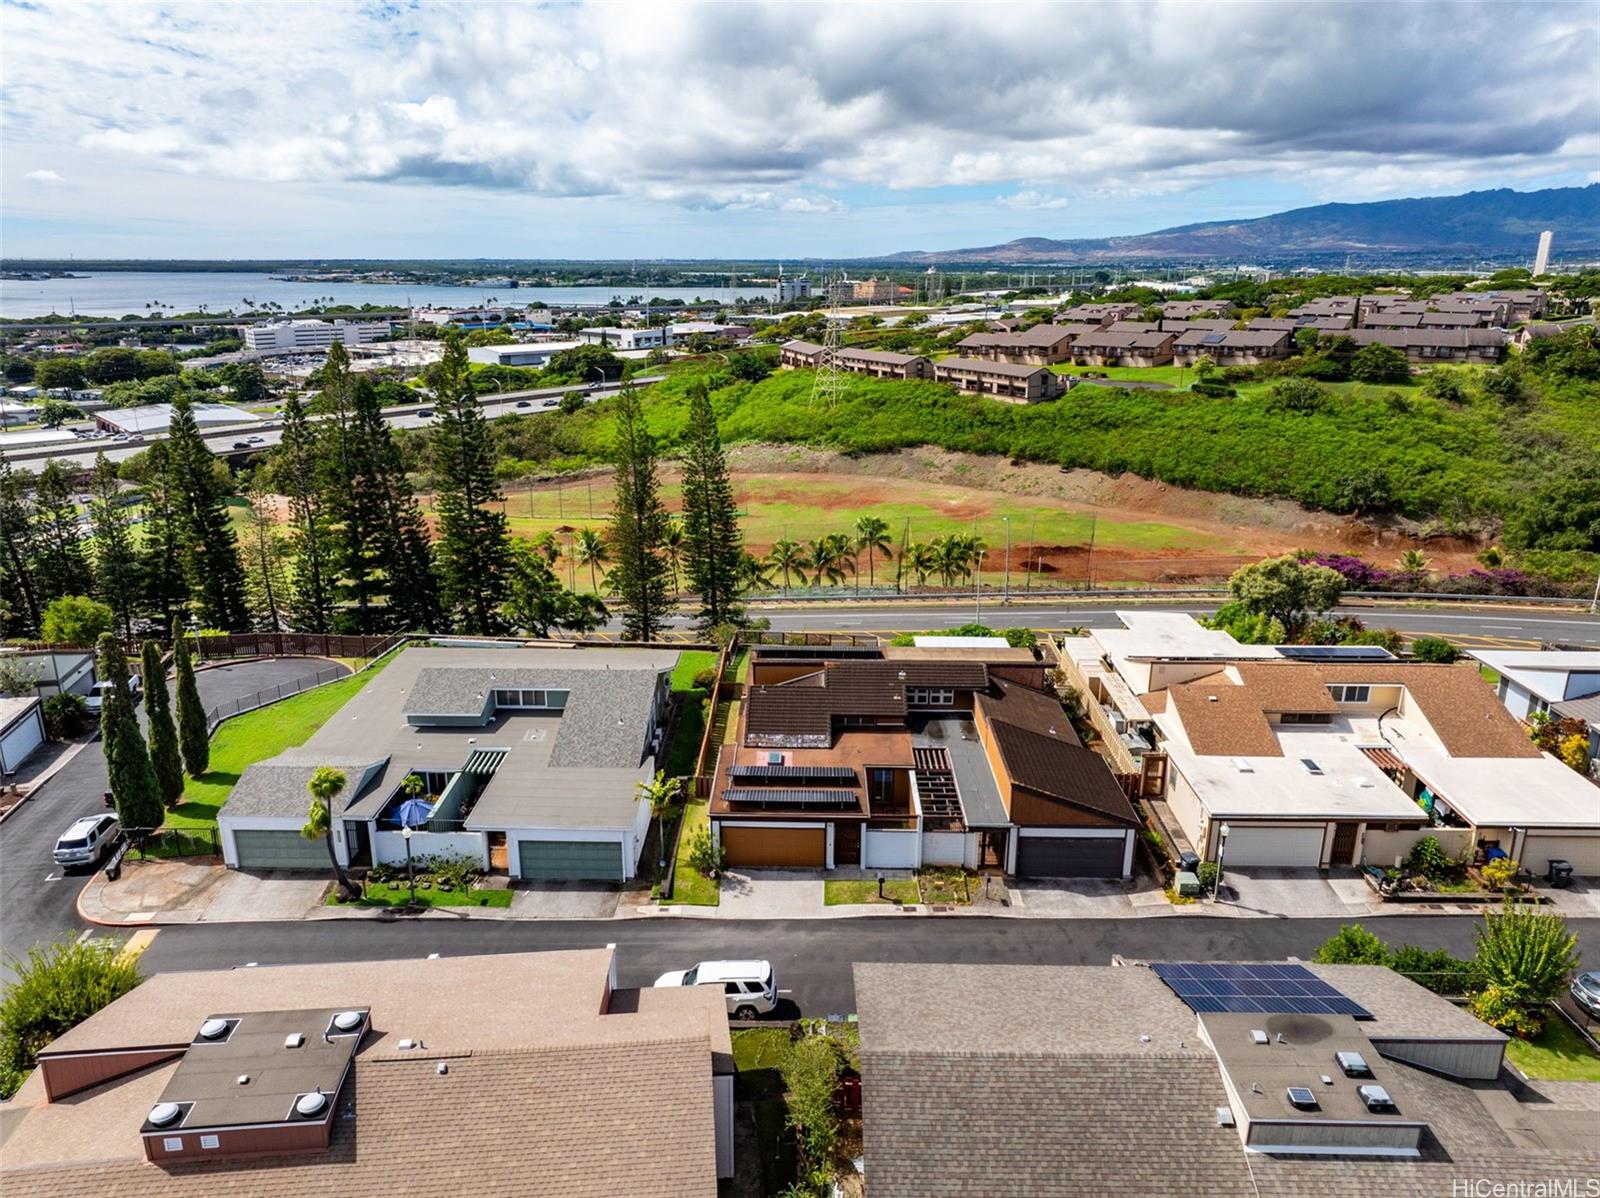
1186, 884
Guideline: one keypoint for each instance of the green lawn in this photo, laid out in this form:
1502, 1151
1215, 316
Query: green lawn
1556, 1054
398, 894
837, 893
255, 736
690, 663
689, 885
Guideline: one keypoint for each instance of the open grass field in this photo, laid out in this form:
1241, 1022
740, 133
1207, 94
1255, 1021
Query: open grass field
255, 736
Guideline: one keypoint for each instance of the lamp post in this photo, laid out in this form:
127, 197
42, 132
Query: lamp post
411, 877
1222, 847
199, 649
977, 591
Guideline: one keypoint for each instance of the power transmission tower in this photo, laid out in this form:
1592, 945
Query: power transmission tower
829, 383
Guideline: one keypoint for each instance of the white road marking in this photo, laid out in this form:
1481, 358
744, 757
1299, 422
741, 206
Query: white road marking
84, 936
52, 877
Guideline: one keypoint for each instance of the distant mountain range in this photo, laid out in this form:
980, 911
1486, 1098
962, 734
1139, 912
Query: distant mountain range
1479, 222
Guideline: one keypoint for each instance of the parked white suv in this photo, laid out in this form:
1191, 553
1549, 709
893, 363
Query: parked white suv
87, 840
750, 986
96, 698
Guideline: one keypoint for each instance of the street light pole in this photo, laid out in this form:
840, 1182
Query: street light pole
411, 877
1006, 585
1222, 846
977, 590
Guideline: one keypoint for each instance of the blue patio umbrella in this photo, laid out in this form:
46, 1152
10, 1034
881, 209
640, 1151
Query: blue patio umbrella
414, 813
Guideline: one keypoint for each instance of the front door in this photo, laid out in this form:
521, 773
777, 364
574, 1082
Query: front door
499, 863
1344, 843
846, 843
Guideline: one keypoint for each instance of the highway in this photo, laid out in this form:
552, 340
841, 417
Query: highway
224, 441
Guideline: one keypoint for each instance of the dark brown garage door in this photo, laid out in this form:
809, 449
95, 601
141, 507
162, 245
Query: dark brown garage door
1069, 856
775, 847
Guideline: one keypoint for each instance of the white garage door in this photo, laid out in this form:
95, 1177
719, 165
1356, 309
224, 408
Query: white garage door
1286, 847
20, 741
1582, 851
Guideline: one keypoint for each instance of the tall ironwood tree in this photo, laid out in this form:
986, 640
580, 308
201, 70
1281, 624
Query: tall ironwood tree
161, 734
403, 554
711, 531
638, 526
116, 560
60, 567
210, 549
20, 609
473, 549
310, 538
129, 774
164, 589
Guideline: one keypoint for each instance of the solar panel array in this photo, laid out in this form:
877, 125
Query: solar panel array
1256, 990
768, 796
838, 773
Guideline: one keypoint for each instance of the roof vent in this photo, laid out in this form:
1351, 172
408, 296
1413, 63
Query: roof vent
164, 1114
1311, 767
407, 1043
243, 1079
1326, 1080
1376, 1098
293, 1040
442, 1069
1353, 1064
213, 1029
1302, 1097
347, 1021
311, 1105
1257, 1036
1211, 698
1224, 1117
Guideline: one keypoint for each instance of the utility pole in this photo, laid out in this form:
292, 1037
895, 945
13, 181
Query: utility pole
977, 591
1033, 548
1006, 585
1094, 520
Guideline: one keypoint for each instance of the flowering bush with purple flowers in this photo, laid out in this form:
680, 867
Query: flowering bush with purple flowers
1358, 575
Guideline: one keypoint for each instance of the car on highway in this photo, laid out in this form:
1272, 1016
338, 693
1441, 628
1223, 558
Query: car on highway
258, 440
241, 445
1586, 993
96, 697
522, 403
87, 841
750, 987
120, 437
424, 413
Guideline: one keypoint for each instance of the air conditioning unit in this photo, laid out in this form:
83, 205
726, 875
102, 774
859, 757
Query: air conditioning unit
1118, 720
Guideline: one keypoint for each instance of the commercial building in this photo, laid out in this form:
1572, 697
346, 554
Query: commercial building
532, 354
874, 291
531, 761
1541, 259
485, 1075
1168, 1078
789, 288
655, 337
921, 756
1011, 382
157, 418
309, 336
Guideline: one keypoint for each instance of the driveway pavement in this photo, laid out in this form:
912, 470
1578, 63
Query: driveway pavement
771, 894
39, 904
1288, 893
564, 900
1089, 898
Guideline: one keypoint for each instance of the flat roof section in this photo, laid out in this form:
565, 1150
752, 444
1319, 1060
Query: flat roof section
981, 806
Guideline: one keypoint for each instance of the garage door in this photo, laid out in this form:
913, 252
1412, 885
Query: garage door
1070, 856
798, 847
1582, 851
20, 741
260, 848
1284, 847
570, 860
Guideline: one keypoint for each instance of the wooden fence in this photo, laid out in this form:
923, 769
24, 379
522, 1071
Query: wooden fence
296, 644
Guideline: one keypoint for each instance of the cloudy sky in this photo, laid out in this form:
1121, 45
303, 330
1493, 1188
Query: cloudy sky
716, 130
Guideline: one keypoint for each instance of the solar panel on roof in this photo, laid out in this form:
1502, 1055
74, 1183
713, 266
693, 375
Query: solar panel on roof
1213, 339
772, 772
776, 797
1255, 989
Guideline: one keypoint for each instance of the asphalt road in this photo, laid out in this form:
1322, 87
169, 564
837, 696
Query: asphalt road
812, 958
37, 902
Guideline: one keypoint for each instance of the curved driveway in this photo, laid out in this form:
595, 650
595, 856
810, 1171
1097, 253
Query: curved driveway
36, 902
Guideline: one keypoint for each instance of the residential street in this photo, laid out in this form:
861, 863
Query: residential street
812, 957
37, 901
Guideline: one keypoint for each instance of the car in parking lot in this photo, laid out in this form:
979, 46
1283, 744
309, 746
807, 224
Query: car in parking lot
86, 841
96, 697
1586, 993
750, 987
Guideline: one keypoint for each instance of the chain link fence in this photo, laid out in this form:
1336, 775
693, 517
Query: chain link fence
272, 694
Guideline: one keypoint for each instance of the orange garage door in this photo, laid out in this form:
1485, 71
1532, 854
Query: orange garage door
775, 846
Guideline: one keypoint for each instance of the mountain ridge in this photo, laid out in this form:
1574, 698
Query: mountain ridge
1494, 221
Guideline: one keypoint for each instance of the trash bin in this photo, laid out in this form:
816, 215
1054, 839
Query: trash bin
1559, 874
1188, 862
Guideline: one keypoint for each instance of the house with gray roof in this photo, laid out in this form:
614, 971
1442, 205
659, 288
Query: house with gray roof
1235, 347
530, 760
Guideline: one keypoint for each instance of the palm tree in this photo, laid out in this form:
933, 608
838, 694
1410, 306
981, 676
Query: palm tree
547, 546
325, 783
919, 559
672, 543
589, 548
822, 559
844, 553
872, 535
755, 573
661, 793
786, 555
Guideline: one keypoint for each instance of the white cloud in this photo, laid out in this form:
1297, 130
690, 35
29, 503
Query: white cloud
44, 176
1031, 198
785, 108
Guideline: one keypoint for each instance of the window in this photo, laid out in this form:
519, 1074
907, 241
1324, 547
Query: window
925, 696
730, 987
521, 698
1304, 717
1350, 694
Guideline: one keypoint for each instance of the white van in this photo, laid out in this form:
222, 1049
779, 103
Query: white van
751, 987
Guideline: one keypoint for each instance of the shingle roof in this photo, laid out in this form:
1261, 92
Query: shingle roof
880, 356
277, 787
1042, 753
802, 347
1246, 338
1106, 339
807, 706
1014, 370
1440, 338
1461, 710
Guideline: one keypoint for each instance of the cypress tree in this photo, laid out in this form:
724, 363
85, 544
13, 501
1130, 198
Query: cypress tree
310, 539
162, 735
193, 737
210, 550
60, 567
710, 515
474, 551
116, 563
161, 564
129, 773
19, 602
638, 526
404, 554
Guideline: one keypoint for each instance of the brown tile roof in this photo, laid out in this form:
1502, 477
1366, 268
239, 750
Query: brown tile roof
1222, 719
1042, 753
1247, 338
1110, 340
982, 366
1461, 710
850, 688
